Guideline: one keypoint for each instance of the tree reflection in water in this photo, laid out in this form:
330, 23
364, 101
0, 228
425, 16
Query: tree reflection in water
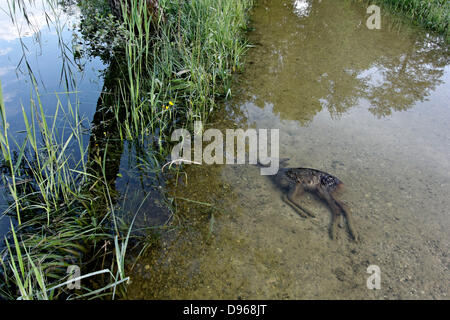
308, 67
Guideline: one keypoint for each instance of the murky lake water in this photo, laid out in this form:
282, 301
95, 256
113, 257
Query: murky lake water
368, 106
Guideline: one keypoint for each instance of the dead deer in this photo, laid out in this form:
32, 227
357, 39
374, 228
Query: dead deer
317, 182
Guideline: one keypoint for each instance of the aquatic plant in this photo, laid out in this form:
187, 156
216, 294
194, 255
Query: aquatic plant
433, 14
60, 188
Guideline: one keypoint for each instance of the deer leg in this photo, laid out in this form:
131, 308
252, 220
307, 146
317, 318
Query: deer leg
348, 216
335, 210
291, 199
341, 221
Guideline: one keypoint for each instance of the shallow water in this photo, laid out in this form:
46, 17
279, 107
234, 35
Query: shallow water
42, 48
368, 106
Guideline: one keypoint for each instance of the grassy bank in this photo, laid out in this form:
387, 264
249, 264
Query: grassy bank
162, 75
433, 14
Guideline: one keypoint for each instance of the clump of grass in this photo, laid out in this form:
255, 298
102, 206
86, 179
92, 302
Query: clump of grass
58, 223
433, 14
176, 69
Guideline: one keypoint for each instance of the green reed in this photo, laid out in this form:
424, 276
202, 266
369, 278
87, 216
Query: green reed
433, 14
172, 72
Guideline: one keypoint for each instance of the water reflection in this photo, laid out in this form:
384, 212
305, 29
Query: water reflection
328, 59
35, 43
23, 19
302, 8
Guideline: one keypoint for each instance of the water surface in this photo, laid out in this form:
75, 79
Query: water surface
36, 41
370, 107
